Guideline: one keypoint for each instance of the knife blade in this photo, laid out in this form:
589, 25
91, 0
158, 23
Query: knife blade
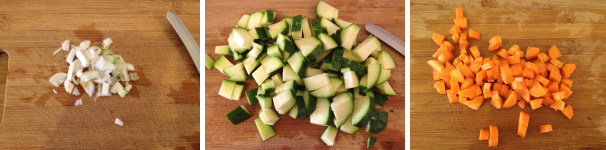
387, 37
186, 37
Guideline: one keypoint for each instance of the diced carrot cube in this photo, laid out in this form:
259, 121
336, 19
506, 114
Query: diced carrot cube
553, 87
493, 140
558, 96
494, 43
475, 103
567, 82
459, 12
484, 134
523, 124
532, 53
496, 101
452, 97
463, 44
537, 91
462, 99
514, 59
455, 38
543, 57
438, 38
466, 71
489, 76
467, 84
503, 54
440, 87
461, 22
513, 48
474, 34
557, 105
554, 53
568, 69
555, 77
568, 112
457, 75
516, 70
463, 36
511, 100
556, 63
436, 65
547, 101
543, 128
454, 86
506, 74
536, 103
455, 30
522, 104
528, 73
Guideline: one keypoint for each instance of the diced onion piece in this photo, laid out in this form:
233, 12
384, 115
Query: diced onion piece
89, 87
105, 89
85, 44
128, 87
65, 45
58, 78
76, 82
134, 77
125, 73
107, 42
108, 66
54, 91
70, 56
78, 102
79, 73
100, 63
89, 75
119, 122
117, 88
69, 86
101, 80
57, 51
130, 67
122, 93
76, 92
83, 59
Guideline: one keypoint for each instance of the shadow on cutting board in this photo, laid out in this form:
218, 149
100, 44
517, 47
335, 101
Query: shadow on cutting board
3, 73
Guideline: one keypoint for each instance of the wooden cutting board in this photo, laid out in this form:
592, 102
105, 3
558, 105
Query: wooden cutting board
221, 16
161, 111
577, 28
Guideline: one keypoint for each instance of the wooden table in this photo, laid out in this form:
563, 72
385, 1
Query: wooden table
291, 133
577, 28
162, 110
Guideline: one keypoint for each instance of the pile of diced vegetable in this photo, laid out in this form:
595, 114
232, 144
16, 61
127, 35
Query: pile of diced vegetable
289, 60
506, 79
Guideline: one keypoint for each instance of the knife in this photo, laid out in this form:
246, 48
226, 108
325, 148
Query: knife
186, 37
387, 37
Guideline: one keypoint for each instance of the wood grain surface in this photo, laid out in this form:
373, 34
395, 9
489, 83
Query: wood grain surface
577, 28
221, 16
162, 110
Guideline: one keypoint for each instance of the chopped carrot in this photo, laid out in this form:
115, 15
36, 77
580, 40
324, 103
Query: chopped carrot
440, 87
437, 53
554, 53
514, 59
522, 104
475, 66
536, 103
461, 22
436, 65
523, 124
459, 12
496, 102
462, 99
528, 73
532, 53
487, 65
567, 82
454, 86
544, 81
556, 63
511, 100
435, 75
568, 69
557, 105
478, 90
558, 96
544, 128
504, 90
438, 38
543, 57
533, 67
484, 134
475, 52
513, 49
457, 75
524, 94
553, 87
480, 77
489, 76
555, 77
463, 36
519, 53
568, 112
493, 140
516, 70
503, 54
537, 91
486, 90
452, 97
494, 43
454, 30
456, 38
466, 71
447, 83
463, 44
547, 101
474, 34
506, 74
445, 74
475, 103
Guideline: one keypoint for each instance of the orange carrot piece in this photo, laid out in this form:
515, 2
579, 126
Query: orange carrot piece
447, 83
463, 44
459, 12
474, 34
522, 104
454, 86
567, 82
553, 87
555, 77
533, 67
504, 90
436, 65
523, 124
516, 70
468, 83
503, 54
494, 43
452, 97
556, 63
547, 101
462, 99
463, 36
544, 128
461, 22
537, 91
487, 65
514, 59
489, 76
480, 77
513, 49
493, 140
524, 94
554, 53
438, 38
567, 70
486, 90
558, 96
437, 53
568, 112
435, 75
440, 87
474, 51
536, 103
543, 57
455, 30
484, 134
557, 105
497, 102
478, 90
506, 74
455, 38
532, 53
475, 103
511, 100
519, 53
544, 81
445, 73
528, 73
457, 75
518, 85
466, 71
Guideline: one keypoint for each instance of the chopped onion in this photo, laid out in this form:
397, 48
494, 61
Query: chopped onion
76, 82
128, 87
85, 62
57, 51
78, 102
79, 73
54, 91
85, 44
105, 90
58, 78
69, 86
91, 74
65, 45
76, 92
117, 88
119, 122
89, 87
130, 67
70, 56
100, 63
107, 42
122, 93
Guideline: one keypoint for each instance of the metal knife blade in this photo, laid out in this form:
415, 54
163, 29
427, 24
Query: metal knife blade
387, 37
186, 37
